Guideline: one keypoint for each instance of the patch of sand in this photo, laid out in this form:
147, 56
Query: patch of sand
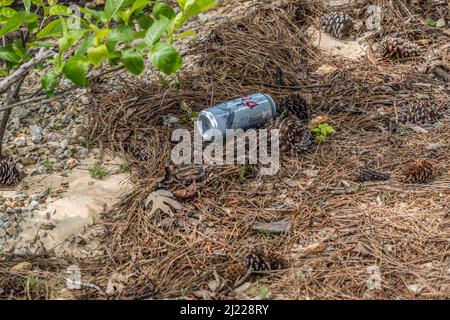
74, 205
350, 49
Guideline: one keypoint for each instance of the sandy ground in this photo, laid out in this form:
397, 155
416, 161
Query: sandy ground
350, 49
75, 203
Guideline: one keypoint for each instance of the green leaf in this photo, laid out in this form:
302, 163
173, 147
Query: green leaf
41, 44
50, 81
60, 10
182, 3
33, 26
98, 15
166, 58
3, 72
75, 69
186, 34
53, 29
144, 21
97, 54
51, 3
5, 3
7, 12
85, 44
161, 9
156, 31
8, 54
194, 7
27, 5
139, 5
121, 33
111, 7
70, 38
133, 61
16, 21
18, 48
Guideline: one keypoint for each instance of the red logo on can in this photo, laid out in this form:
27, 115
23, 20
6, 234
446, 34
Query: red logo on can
249, 103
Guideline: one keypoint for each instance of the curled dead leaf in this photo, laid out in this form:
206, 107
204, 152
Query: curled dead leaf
163, 200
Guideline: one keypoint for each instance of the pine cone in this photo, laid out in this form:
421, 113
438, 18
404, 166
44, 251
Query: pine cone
399, 48
338, 24
367, 174
418, 171
8, 172
417, 113
294, 104
293, 134
259, 261
235, 271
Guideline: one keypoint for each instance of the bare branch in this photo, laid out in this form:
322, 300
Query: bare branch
6, 83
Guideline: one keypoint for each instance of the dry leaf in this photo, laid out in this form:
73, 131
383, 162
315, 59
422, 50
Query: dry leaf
162, 199
115, 283
130, 111
187, 193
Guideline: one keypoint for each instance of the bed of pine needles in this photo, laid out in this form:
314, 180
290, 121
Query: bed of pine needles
340, 228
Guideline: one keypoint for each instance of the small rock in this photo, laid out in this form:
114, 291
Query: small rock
22, 266
37, 171
26, 161
20, 197
84, 100
278, 227
11, 231
64, 144
20, 142
440, 23
20, 252
51, 211
48, 226
80, 241
33, 205
36, 134
64, 155
415, 288
71, 163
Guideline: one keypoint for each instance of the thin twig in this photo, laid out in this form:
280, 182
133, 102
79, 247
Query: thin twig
23, 69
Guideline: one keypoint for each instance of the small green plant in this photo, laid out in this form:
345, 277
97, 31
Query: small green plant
184, 292
360, 188
32, 282
439, 126
430, 21
386, 196
124, 167
242, 174
48, 165
404, 131
189, 117
322, 131
97, 171
263, 291
86, 143
94, 219
57, 127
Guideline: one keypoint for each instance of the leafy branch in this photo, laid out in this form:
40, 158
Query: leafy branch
70, 41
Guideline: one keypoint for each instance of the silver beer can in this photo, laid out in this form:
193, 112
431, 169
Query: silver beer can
242, 113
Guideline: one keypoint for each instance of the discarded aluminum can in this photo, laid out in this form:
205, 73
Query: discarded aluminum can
242, 113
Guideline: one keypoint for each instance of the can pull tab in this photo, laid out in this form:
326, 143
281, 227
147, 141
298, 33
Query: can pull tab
249, 103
